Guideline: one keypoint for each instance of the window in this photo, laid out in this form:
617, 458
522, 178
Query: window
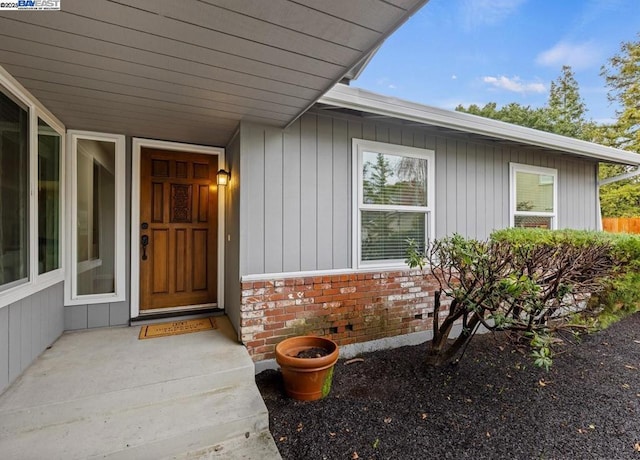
533, 196
31, 191
14, 192
393, 201
49, 148
97, 256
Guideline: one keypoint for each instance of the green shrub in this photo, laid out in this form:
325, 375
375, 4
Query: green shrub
621, 295
534, 236
527, 281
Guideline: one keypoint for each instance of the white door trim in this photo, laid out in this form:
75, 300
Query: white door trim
137, 145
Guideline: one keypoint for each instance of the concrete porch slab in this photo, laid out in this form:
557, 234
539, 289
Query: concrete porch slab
104, 393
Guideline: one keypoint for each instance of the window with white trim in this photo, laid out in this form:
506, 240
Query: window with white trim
97, 218
49, 197
31, 193
14, 191
533, 192
393, 201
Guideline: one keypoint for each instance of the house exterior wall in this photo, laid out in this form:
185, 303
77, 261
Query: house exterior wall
296, 192
294, 208
95, 315
296, 220
27, 327
32, 310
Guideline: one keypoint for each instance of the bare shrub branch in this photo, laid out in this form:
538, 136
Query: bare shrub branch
528, 287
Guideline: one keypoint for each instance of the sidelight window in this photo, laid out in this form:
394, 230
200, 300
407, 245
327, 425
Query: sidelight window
97, 216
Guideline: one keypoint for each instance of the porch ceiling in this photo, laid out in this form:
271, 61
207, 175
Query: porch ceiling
190, 70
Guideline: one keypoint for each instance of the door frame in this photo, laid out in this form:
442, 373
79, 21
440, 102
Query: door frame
136, 148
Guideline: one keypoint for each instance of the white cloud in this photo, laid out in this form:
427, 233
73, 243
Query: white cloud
577, 55
454, 77
514, 84
385, 82
488, 12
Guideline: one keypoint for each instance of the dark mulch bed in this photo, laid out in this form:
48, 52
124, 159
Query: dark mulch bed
494, 404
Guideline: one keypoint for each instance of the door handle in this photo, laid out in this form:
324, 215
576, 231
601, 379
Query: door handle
144, 240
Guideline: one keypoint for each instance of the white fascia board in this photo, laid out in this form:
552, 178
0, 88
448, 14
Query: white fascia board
366, 101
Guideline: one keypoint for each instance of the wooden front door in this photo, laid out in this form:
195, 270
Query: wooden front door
178, 229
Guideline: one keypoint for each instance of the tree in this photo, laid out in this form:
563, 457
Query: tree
622, 76
621, 199
512, 113
565, 107
377, 225
563, 114
375, 180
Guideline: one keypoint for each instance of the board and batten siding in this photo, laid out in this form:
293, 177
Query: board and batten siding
295, 204
27, 327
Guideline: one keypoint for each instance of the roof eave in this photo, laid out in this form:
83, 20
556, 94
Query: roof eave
356, 68
366, 101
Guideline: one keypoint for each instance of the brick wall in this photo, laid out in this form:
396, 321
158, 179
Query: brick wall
349, 308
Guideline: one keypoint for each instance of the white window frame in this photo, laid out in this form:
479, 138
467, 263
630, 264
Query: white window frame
57, 274
36, 282
359, 146
513, 212
71, 296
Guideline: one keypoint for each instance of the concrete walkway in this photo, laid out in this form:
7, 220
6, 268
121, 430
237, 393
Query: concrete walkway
105, 394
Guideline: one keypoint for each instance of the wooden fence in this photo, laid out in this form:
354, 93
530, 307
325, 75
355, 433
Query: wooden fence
621, 224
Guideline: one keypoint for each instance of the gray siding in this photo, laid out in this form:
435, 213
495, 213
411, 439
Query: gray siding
232, 241
27, 328
296, 188
96, 315
295, 191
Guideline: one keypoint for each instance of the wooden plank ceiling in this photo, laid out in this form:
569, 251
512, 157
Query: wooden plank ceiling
190, 70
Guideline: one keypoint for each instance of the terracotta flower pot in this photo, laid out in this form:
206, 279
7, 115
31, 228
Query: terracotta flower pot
306, 379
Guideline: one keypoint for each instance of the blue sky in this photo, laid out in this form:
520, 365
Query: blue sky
477, 51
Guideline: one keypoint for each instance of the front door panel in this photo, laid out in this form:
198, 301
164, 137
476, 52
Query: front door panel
178, 220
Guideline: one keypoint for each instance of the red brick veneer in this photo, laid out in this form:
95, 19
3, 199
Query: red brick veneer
347, 308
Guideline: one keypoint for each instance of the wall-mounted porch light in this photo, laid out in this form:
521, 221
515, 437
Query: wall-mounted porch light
223, 177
